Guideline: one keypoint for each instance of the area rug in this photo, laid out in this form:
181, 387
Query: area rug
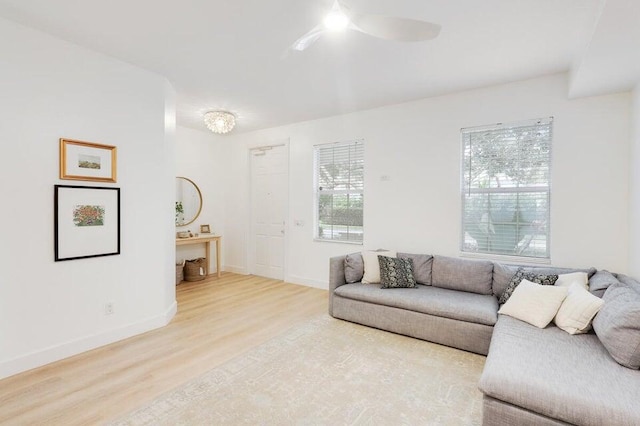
329, 372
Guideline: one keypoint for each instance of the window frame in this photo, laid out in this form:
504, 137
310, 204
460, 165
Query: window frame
527, 190
318, 192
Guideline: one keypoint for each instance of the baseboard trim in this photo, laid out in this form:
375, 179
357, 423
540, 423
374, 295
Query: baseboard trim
74, 347
235, 269
307, 282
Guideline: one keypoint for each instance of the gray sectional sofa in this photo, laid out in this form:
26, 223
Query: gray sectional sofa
531, 376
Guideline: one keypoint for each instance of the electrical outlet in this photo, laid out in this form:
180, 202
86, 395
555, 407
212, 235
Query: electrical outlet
109, 308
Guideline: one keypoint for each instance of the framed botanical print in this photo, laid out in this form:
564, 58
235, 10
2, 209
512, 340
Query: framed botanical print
86, 222
87, 161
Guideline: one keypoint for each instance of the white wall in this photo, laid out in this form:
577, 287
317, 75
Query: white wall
634, 187
198, 157
417, 144
52, 89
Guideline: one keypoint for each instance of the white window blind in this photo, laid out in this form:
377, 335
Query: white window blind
339, 182
506, 189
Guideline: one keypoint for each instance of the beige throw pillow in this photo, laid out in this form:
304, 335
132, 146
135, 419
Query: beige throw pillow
567, 280
534, 303
577, 310
372, 266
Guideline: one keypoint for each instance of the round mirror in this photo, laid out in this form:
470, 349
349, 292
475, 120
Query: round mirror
188, 201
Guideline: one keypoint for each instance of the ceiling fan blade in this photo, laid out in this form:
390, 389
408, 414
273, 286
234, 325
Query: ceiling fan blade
398, 29
308, 39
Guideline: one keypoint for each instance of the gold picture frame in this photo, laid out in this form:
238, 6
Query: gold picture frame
205, 229
89, 161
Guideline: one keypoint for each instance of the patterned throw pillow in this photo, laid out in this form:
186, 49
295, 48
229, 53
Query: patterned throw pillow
520, 275
396, 272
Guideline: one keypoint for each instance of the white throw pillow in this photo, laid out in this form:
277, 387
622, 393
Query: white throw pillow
372, 266
567, 280
577, 310
534, 303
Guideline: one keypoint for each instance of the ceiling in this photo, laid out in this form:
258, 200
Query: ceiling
222, 54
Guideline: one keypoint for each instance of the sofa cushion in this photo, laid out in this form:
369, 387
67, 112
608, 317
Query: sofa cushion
474, 276
600, 282
618, 324
372, 265
353, 268
534, 303
568, 280
553, 270
458, 305
631, 282
502, 274
396, 273
577, 310
565, 377
421, 266
521, 275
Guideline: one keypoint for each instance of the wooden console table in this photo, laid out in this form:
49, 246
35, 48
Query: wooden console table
206, 240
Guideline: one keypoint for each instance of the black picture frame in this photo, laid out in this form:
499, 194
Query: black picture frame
86, 222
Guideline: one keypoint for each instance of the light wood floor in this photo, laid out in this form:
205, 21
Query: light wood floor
217, 320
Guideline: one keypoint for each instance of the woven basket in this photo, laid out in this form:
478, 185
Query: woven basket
179, 272
194, 269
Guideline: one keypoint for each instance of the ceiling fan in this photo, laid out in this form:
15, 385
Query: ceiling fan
340, 18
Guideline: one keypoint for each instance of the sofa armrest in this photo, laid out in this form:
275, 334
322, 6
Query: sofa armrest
336, 277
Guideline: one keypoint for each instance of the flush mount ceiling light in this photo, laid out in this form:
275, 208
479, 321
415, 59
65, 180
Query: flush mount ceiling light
220, 121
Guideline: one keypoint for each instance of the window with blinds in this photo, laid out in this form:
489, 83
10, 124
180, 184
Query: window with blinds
339, 182
506, 189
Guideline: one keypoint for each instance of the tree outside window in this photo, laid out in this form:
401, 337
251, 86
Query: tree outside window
506, 189
340, 191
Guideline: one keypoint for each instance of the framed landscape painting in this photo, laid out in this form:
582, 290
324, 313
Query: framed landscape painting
87, 161
86, 222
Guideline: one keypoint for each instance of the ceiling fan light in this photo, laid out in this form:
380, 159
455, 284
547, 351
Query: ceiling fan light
220, 121
336, 20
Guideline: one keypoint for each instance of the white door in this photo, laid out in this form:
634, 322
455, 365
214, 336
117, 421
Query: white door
268, 201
